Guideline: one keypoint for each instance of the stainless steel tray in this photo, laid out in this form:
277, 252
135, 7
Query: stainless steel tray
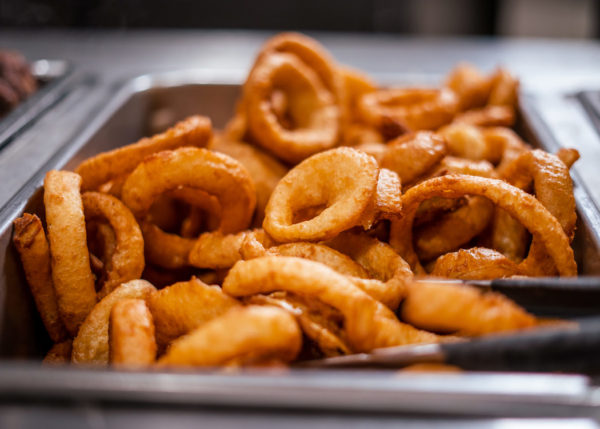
53, 78
148, 104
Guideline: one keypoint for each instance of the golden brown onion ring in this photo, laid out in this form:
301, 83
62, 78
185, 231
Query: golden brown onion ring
216, 250
127, 259
312, 116
254, 334
415, 108
31, 243
477, 263
468, 141
488, 116
71, 273
413, 155
212, 172
95, 171
90, 346
368, 323
184, 306
461, 309
524, 207
505, 89
131, 335
471, 87
342, 179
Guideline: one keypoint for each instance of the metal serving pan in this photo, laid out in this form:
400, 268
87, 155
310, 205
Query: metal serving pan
150, 103
53, 77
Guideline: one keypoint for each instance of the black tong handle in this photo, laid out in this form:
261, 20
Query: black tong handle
566, 349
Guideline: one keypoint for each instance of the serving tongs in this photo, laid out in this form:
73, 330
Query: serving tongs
548, 296
573, 347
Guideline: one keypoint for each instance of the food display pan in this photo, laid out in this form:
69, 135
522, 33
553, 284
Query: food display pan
54, 77
149, 104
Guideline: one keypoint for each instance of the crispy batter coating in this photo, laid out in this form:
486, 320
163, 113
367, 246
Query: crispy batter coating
71, 272
216, 250
184, 306
461, 309
368, 323
343, 179
131, 334
59, 353
31, 243
90, 346
470, 85
253, 333
477, 263
127, 258
102, 168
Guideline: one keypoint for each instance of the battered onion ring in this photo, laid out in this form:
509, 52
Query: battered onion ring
265, 170
568, 155
368, 323
59, 353
164, 249
254, 334
387, 201
90, 346
457, 308
71, 273
477, 263
488, 116
524, 207
388, 270
127, 260
554, 189
342, 179
320, 323
413, 155
505, 89
102, 168
311, 109
415, 108
31, 243
131, 334
182, 307
471, 87
468, 141
214, 173
375, 149
216, 250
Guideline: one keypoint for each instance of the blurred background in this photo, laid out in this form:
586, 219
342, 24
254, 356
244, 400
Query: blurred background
519, 18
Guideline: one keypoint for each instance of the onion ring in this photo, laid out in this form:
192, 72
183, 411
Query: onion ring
488, 116
216, 250
342, 179
31, 243
471, 87
312, 113
529, 211
413, 155
91, 346
462, 309
182, 307
71, 273
254, 334
468, 141
413, 108
477, 263
368, 323
102, 168
505, 89
59, 353
127, 259
214, 173
131, 334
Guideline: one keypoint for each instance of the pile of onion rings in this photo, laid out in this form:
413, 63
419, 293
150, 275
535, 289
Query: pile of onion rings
320, 221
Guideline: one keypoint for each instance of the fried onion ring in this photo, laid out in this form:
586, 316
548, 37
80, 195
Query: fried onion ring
182, 307
254, 334
216, 250
131, 334
90, 346
488, 116
413, 108
212, 172
342, 179
71, 272
102, 168
477, 263
368, 323
31, 243
529, 211
471, 87
311, 117
127, 259
461, 309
